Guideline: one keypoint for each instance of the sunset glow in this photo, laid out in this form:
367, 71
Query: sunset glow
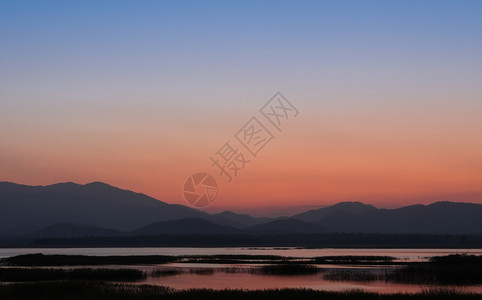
390, 109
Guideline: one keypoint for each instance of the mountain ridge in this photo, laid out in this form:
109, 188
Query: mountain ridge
102, 207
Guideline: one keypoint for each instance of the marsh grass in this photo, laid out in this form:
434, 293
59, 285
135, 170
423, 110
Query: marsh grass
285, 269
166, 272
44, 274
350, 275
451, 269
353, 259
203, 271
444, 270
236, 259
79, 260
76, 290
39, 259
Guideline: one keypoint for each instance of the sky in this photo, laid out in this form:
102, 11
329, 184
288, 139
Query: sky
140, 95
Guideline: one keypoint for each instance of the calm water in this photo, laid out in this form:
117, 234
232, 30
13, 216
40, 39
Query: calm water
243, 280
401, 254
221, 280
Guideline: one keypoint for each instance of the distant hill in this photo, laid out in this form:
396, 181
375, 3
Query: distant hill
96, 204
185, 226
52, 211
73, 230
284, 226
241, 220
349, 208
436, 218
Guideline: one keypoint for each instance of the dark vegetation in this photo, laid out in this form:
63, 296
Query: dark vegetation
79, 260
451, 269
172, 272
82, 260
285, 269
354, 259
74, 290
203, 271
352, 275
234, 259
44, 274
165, 272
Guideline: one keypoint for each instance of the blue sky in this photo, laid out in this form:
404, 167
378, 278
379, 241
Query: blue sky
89, 74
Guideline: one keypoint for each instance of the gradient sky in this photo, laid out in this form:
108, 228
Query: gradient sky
139, 94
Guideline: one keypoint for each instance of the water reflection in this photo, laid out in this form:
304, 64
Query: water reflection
245, 280
237, 276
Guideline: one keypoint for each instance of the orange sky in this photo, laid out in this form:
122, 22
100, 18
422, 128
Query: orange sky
389, 98
386, 160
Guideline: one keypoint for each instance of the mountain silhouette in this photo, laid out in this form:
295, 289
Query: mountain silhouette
284, 226
241, 220
97, 204
104, 210
317, 215
185, 226
436, 218
73, 230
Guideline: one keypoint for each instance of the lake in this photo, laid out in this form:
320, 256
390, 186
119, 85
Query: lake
401, 254
221, 279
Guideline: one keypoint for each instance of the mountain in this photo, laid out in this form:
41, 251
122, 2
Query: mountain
97, 204
436, 218
284, 226
240, 220
52, 211
20, 230
185, 226
341, 208
73, 230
